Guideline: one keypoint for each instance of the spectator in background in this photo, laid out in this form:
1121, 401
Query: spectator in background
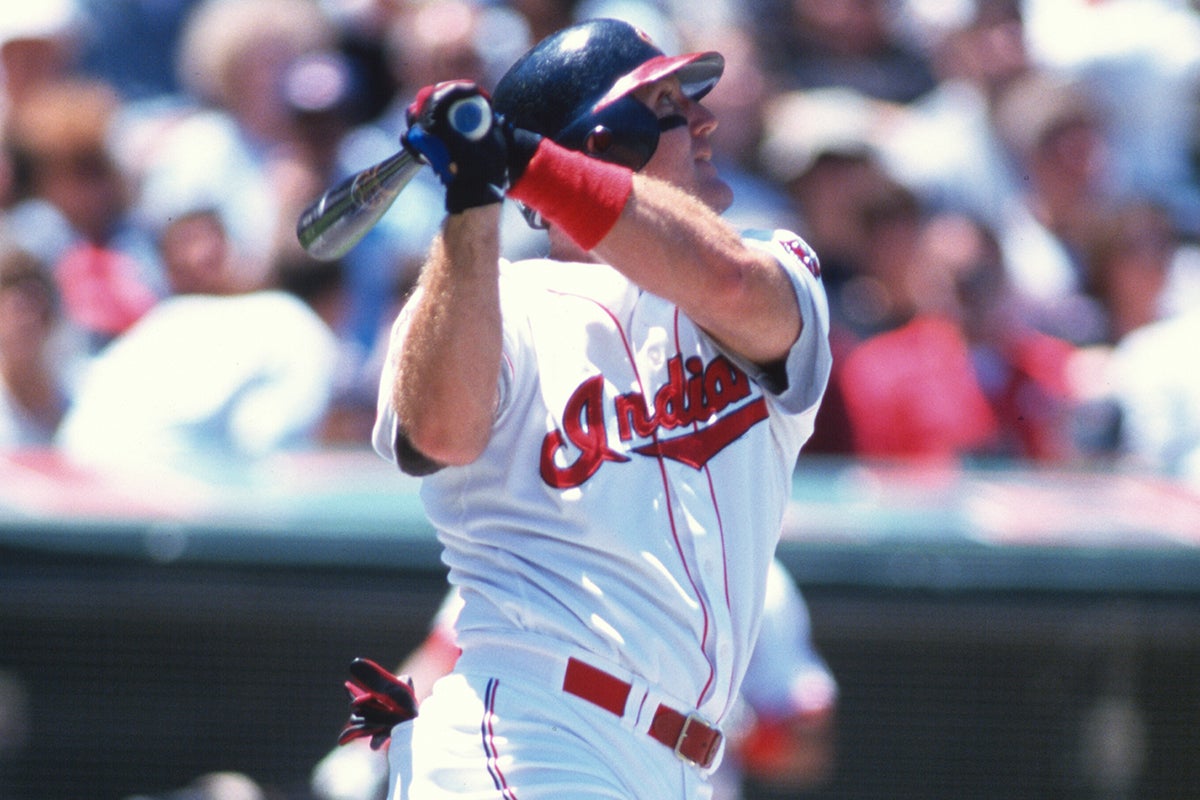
1152, 380
231, 61
318, 91
1025, 375
74, 207
959, 371
854, 44
891, 283
212, 371
131, 44
1136, 379
33, 396
361, 26
908, 382
944, 144
40, 42
1055, 134
1127, 261
1141, 62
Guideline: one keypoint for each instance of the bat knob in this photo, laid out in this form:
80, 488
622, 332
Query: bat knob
471, 117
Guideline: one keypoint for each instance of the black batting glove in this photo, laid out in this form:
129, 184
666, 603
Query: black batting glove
451, 128
379, 701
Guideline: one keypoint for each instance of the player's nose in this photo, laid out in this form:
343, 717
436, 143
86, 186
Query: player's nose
701, 121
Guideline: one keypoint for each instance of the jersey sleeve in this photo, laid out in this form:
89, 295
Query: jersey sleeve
808, 363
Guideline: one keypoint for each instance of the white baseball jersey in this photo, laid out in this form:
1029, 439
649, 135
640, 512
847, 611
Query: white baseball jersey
627, 506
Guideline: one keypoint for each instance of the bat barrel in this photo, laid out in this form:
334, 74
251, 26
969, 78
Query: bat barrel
338, 219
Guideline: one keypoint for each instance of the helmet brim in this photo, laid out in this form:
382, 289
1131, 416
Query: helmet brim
698, 73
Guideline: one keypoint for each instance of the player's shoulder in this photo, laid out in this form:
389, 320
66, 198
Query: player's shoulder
789, 247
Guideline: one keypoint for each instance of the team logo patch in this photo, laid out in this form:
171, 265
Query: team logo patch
797, 247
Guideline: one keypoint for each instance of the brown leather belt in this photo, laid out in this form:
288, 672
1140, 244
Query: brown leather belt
692, 739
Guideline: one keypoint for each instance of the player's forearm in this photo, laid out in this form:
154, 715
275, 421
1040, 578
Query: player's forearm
445, 390
670, 244
674, 246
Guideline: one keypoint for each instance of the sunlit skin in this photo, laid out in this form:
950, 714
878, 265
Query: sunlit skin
684, 154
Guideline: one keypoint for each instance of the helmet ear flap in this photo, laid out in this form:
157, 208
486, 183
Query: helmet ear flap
598, 141
624, 132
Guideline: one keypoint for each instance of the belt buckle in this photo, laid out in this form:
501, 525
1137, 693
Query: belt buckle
683, 735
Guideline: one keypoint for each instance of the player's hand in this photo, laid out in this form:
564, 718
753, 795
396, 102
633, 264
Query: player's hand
379, 701
451, 127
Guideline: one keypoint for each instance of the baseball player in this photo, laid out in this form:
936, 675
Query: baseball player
607, 435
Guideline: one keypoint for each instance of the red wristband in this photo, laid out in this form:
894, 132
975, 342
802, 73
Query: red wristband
582, 196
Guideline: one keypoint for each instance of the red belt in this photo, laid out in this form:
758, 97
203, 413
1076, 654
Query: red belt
692, 739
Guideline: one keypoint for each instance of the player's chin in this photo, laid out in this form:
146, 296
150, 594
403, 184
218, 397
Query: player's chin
715, 192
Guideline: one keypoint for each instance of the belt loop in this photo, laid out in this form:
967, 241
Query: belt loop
596, 686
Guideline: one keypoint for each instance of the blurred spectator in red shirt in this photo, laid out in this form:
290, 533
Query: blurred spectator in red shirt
964, 376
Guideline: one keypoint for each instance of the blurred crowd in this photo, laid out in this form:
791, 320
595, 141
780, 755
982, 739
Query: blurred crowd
1004, 194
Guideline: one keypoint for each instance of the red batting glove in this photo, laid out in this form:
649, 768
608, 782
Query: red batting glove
379, 701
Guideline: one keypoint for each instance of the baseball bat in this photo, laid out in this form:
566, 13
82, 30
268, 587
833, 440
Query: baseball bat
340, 218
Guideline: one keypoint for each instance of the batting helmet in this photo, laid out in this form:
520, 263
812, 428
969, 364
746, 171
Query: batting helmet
575, 87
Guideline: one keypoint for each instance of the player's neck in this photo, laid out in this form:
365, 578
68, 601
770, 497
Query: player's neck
563, 249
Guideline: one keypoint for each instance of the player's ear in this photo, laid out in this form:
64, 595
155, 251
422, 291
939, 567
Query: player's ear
411, 460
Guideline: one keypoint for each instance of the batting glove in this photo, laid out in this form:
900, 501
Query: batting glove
451, 128
379, 701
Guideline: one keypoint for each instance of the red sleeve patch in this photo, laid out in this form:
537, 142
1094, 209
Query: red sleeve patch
800, 249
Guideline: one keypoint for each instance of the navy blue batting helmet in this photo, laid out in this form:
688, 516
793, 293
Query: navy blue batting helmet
575, 87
